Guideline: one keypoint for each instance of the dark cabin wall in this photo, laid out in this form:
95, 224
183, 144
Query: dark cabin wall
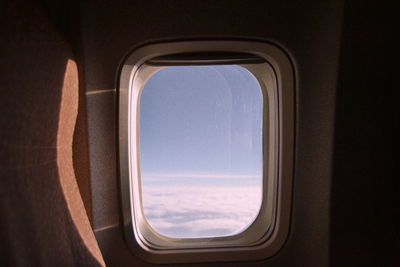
344, 182
365, 184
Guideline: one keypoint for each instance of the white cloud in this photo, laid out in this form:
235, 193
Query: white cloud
200, 211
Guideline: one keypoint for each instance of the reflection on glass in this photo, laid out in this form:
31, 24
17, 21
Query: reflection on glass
201, 150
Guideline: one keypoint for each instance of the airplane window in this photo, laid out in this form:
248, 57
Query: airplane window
205, 150
201, 150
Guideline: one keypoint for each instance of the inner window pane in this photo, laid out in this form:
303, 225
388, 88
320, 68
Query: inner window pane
201, 150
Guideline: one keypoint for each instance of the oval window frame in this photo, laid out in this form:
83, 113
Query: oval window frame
276, 78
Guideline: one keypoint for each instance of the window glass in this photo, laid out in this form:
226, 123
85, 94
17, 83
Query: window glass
200, 147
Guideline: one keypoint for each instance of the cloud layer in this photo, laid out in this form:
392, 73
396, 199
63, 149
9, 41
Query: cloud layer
200, 211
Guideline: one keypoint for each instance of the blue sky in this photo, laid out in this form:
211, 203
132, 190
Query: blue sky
201, 150
201, 120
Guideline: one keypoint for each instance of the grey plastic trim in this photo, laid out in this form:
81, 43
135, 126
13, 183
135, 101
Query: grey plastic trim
268, 233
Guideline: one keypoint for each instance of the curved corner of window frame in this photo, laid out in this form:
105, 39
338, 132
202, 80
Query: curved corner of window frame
268, 233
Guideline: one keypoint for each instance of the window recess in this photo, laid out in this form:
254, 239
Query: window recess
206, 134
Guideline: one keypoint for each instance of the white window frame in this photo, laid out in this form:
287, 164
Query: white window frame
267, 234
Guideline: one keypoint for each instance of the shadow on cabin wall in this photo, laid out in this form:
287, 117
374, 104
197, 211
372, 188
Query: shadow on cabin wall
365, 183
